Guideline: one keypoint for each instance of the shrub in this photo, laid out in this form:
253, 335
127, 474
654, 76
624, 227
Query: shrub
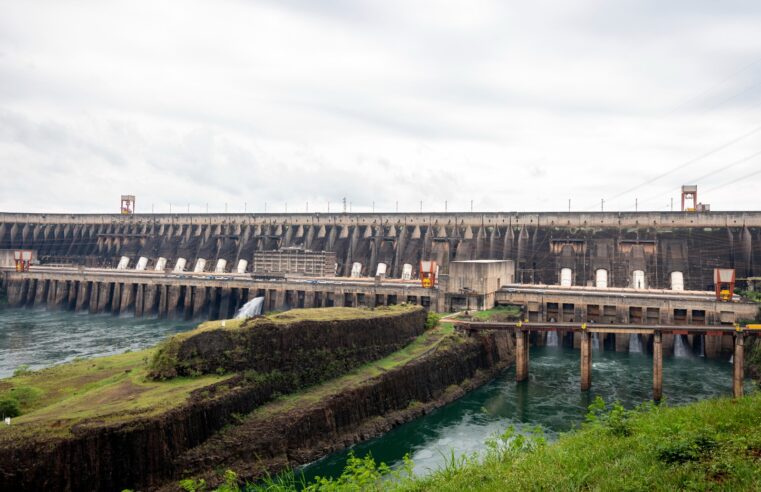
22, 370
432, 320
691, 447
9, 407
25, 395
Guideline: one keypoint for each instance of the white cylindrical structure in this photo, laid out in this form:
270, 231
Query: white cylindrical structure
381, 270
180, 265
160, 264
638, 279
566, 277
601, 278
677, 281
200, 265
356, 269
407, 272
141, 263
242, 265
123, 263
221, 265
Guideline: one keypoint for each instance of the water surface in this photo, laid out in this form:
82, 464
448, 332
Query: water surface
550, 399
40, 338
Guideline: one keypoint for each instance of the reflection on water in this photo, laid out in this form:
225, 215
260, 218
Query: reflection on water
41, 338
550, 399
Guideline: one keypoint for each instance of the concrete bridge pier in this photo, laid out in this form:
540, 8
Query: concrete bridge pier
738, 371
657, 366
586, 361
521, 356
622, 342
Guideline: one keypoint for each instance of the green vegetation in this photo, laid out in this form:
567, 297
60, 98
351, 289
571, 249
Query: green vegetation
166, 363
9, 407
109, 389
498, 313
750, 295
710, 445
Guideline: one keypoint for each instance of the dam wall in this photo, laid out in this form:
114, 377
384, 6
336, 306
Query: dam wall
633, 249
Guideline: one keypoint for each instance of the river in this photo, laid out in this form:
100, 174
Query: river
41, 338
550, 399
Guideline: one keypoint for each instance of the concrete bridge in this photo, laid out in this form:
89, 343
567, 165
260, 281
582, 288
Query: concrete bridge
522, 330
630, 307
654, 249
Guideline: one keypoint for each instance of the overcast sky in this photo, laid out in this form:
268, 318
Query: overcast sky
514, 105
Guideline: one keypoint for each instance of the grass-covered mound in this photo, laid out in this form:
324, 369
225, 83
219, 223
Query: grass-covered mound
312, 344
104, 390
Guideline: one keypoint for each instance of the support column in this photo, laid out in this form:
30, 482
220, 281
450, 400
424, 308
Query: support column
94, 290
622, 342
308, 299
738, 372
586, 361
521, 355
657, 366
199, 302
139, 300
128, 299
104, 296
187, 309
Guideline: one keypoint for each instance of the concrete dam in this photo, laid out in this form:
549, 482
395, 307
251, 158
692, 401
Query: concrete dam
614, 249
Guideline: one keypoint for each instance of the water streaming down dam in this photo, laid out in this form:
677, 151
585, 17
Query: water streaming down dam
680, 348
251, 308
550, 399
635, 343
552, 339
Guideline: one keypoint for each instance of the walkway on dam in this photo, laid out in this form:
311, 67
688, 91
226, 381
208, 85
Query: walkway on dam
522, 330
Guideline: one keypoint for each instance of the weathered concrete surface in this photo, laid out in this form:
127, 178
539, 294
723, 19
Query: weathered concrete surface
657, 242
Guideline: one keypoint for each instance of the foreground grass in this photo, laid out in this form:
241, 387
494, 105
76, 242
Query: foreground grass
710, 445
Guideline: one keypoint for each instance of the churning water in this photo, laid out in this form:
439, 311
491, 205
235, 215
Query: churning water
550, 399
41, 338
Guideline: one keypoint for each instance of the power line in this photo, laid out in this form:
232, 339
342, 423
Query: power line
687, 163
757, 171
697, 180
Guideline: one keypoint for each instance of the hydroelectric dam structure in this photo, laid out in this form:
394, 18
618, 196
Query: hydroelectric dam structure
621, 249
564, 270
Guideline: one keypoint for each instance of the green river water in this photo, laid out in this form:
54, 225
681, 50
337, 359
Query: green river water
550, 399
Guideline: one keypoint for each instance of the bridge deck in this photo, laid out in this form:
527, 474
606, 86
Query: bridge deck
645, 329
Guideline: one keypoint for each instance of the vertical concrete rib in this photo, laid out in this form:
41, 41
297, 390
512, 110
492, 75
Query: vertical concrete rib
521, 357
657, 366
738, 371
586, 361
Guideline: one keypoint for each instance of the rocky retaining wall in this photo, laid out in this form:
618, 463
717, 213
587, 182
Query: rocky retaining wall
268, 443
308, 350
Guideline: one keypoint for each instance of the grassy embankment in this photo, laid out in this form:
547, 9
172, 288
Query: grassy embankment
498, 313
113, 389
710, 445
